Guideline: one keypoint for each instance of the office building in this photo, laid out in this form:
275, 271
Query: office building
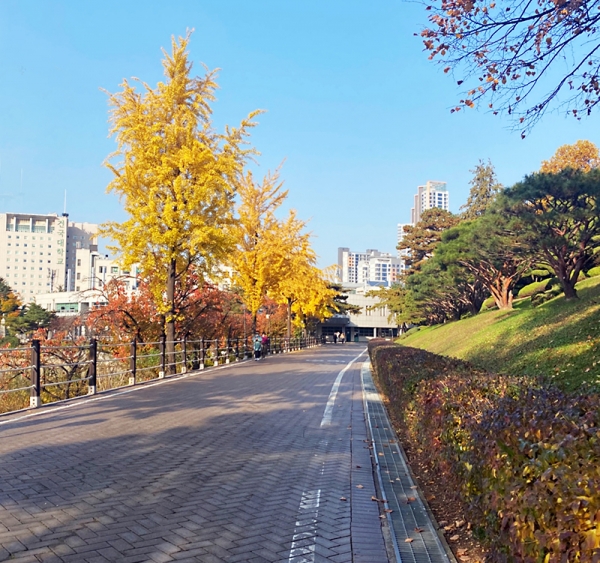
37, 252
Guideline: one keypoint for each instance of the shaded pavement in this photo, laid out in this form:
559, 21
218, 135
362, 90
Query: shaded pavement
226, 465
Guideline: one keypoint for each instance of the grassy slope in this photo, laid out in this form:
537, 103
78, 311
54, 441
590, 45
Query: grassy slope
559, 339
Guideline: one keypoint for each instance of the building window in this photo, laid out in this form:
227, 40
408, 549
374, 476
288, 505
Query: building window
78, 276
79, 261
114, 269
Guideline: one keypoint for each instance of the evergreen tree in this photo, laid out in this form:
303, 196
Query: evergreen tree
484, 188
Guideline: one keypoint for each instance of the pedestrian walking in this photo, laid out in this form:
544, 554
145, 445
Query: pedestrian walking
257, 346
342, 337
335, 335
265, 345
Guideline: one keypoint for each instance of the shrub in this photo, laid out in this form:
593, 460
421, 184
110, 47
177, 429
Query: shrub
489, 303
532, 289
410, 331
523, 456
592, 272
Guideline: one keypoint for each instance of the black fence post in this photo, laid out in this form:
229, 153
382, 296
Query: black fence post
202, 353
228, 345
133, 362
163, 358
35, 399
92, 366
184, 355
237, 349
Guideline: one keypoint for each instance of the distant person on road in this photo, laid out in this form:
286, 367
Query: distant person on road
257, 346
265, 344
342, 337
335, 335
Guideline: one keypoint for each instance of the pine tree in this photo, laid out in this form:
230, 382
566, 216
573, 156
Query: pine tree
484, 188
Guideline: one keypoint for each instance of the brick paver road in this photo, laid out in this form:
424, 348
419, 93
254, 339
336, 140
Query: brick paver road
229, 465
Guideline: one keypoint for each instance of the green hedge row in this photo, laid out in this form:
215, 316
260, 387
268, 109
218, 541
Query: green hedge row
523, 457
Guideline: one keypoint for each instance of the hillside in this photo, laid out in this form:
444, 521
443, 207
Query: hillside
558, 339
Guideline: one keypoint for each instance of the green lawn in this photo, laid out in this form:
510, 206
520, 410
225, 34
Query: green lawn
558, 339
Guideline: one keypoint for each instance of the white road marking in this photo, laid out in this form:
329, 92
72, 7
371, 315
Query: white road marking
334, 389
302, 551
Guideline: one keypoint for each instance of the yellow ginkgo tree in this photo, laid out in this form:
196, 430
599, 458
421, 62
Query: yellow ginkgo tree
301, 287
256, 259
176, 177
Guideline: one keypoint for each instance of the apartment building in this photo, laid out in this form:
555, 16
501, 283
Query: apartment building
372, 266
432, 194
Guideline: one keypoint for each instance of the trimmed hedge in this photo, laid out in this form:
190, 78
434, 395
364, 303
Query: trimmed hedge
592, 272
524, 457
534, 288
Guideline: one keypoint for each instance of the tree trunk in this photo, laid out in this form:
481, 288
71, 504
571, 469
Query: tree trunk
502, 293
170, 320
289, 318
568, 286
568, 281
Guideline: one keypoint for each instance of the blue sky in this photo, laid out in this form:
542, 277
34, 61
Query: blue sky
353, 105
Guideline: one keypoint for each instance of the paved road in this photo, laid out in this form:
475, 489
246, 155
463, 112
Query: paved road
248, 463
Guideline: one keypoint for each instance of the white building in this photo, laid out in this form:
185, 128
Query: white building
93, 270
432, 194
79, 236
370, 322
37, 252
68, 303
368, 267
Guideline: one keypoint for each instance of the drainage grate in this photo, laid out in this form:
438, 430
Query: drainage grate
409, 518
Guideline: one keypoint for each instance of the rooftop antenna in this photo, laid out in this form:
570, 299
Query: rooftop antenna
65, 206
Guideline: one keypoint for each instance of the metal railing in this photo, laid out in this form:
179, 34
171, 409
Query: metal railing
36, 375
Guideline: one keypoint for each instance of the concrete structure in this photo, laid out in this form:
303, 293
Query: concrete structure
432, 194
367, 267
37, 252
371, 322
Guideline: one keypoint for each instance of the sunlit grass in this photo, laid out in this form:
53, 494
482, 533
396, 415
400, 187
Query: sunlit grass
559, 339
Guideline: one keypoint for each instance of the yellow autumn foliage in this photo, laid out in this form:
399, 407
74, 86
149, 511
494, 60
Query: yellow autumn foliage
582, 155
175, 175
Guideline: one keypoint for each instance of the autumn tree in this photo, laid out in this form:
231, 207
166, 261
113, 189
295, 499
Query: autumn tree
519, 57
176, 177
582, 155
260, 240
127, 315
561, 215
302, 288
484, 188
421, 239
